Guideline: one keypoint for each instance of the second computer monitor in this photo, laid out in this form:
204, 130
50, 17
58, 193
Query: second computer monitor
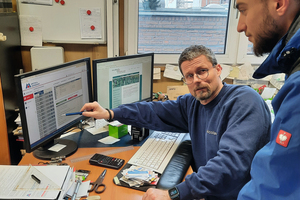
121, 80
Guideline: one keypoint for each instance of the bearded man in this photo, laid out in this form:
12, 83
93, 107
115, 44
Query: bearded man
273, 26
227, 124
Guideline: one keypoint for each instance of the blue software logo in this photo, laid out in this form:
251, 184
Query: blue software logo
28, 85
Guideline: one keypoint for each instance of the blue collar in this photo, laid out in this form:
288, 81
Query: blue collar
282, 57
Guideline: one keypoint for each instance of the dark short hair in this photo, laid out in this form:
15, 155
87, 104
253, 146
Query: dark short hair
194, 51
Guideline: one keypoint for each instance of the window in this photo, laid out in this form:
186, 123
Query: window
245, 53
174, 25
166, 27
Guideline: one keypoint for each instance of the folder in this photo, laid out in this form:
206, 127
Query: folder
34, 182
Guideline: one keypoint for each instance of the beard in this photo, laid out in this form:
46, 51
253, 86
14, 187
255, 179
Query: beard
202, 95
266, 41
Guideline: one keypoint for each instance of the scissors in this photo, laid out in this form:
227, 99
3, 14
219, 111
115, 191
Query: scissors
98, 183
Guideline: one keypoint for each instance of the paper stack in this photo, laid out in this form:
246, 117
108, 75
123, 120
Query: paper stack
35, 182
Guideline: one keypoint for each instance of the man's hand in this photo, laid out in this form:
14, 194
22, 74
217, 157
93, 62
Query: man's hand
156, 194
95, 110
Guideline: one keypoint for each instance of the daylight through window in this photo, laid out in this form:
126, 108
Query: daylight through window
169, 26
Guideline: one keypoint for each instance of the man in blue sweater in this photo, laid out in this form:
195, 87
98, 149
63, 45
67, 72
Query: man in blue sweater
227, 124
274, 26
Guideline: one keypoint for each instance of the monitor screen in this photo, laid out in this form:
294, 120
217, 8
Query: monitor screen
121, 80
44, 97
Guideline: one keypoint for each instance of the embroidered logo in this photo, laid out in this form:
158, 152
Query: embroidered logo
211, 132
283, 138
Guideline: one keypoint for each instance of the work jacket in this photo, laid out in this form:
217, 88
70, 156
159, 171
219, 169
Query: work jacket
275, 171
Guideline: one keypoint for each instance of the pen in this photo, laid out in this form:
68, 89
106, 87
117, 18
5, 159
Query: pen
35, 178
78, 183
74, 113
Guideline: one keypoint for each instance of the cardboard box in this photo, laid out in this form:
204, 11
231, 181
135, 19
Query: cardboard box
117, 131
174, 91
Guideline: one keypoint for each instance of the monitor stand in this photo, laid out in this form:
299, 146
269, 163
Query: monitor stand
44, 154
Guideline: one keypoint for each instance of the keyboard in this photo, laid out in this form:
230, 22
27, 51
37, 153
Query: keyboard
157, 150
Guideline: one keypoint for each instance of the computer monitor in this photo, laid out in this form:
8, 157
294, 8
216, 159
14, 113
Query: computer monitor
44, 97
121, 80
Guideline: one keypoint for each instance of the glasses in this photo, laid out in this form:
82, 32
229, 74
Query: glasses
189, 78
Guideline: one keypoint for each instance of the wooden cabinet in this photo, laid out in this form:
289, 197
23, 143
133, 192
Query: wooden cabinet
4, 145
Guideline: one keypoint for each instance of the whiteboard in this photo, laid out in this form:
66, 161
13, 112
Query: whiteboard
61, 23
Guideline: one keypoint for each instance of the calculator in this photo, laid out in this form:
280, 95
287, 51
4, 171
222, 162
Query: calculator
106, 161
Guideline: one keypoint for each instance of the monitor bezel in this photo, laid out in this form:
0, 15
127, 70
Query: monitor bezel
95, 62
29, 148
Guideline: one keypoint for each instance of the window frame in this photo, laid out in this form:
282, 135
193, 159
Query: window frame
243, 56
112, 8
236, 43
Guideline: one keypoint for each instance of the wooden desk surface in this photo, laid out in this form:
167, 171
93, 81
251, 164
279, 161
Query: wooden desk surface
112, 192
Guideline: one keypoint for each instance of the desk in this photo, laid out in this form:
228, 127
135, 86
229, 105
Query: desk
86, 139
112, 192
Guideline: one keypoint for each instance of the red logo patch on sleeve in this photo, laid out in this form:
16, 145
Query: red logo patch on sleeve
283, 138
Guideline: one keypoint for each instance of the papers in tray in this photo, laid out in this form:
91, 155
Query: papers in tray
17, 182
136, 176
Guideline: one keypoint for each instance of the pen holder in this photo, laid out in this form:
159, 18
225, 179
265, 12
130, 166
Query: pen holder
117, 131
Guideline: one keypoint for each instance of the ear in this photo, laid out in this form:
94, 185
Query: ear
282, 6
219, 69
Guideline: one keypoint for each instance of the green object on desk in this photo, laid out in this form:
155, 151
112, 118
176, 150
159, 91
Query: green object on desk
117, 131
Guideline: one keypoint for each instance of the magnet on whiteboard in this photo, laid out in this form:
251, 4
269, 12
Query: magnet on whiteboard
31, 29
93, 27
62, 2
89, 12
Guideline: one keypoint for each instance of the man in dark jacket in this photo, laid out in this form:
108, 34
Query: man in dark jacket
274, 26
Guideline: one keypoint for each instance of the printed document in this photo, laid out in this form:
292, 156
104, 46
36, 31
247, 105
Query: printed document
17, 181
